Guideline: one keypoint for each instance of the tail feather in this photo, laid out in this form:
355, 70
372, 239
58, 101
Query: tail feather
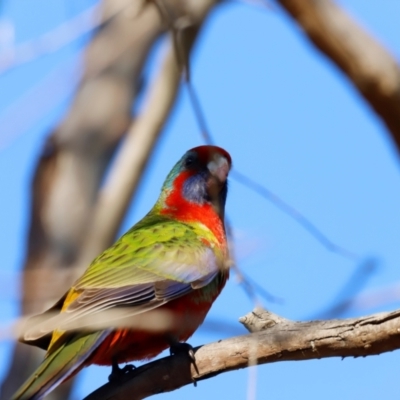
60, 365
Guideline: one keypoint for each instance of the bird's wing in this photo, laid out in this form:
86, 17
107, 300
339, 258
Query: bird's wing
150, 265
60, 365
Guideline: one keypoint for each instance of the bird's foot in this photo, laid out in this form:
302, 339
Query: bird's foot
117, 373
187, 349
183, 348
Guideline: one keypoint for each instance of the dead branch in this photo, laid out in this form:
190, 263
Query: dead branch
370, 67
273, 339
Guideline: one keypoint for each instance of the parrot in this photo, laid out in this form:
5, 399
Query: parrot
173, 263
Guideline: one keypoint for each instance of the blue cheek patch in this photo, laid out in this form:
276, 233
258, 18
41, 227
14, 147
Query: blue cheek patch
195, 189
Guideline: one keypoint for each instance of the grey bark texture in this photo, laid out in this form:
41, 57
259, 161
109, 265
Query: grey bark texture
273, 339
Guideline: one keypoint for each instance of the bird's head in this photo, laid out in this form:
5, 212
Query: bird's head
198, 179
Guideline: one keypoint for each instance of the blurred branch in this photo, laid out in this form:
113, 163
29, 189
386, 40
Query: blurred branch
373, 298
77, 153
53, 40
277, 339
370, 67
65, 33
116, 318
46, 95
125, 174
73, 162
350, 290
294, 214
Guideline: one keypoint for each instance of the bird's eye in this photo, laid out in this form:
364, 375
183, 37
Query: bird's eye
189, 161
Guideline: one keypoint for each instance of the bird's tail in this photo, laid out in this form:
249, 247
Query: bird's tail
59, 365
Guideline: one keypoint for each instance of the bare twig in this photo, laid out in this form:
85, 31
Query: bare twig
47, 94
53, 40
293, 213
350, 290
277, 339
373, 298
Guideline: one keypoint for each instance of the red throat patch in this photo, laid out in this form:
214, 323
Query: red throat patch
183, 210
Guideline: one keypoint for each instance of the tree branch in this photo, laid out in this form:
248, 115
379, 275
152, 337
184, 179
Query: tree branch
273, 339
370, 67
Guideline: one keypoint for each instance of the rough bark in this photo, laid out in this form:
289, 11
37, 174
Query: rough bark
273, 339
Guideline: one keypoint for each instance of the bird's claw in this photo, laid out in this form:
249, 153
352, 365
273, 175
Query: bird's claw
191, 355
117, 373
185, 348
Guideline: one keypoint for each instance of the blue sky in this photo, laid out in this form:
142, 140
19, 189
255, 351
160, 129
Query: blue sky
293, 123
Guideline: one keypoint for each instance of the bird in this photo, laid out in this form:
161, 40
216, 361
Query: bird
168, 269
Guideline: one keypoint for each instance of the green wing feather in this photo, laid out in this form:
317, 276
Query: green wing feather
158, 260
157, 248
59, 365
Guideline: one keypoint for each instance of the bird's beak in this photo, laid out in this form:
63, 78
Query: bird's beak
219, 168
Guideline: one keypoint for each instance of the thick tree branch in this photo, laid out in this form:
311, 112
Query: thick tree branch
370, 67
273, 339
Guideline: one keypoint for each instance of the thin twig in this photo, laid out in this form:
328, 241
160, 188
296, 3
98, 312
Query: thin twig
54, 40
349, 291
199, 114
293, 213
